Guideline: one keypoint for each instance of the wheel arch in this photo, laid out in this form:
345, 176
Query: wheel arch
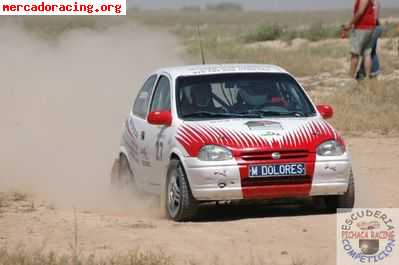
191, 204
123, 152
176, 154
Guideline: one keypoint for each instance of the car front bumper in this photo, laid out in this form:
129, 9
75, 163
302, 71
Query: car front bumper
222, 181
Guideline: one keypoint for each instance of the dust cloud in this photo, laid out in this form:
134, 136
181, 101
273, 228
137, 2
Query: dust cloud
62, 105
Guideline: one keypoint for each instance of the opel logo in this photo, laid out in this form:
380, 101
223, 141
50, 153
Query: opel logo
276, 156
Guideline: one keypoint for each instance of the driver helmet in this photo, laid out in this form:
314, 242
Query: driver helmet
253, 93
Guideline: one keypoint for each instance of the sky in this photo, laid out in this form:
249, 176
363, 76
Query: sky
273, 5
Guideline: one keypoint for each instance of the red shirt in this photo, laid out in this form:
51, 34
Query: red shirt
368, 20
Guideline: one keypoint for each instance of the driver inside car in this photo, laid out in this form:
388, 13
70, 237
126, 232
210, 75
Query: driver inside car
201, 99
251, 96
255, 96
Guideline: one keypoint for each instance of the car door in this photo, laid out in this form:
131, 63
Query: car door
135, 127
158, 137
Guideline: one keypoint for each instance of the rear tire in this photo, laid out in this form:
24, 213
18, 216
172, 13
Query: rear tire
346, 201
122, 178
179, 202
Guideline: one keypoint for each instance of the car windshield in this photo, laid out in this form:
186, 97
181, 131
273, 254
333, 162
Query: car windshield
256, 95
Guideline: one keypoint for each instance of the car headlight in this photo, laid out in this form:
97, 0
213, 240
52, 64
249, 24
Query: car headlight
214, 153
331, 148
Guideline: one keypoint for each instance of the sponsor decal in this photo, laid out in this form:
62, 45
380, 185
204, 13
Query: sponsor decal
229, 68
264, 125
270, 134
367, 236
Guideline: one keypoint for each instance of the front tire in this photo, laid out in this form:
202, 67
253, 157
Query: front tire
180, 205
346, 201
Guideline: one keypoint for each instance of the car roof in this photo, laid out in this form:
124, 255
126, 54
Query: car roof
210, 69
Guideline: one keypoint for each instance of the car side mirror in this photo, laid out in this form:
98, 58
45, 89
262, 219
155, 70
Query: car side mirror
326, 111
163, 117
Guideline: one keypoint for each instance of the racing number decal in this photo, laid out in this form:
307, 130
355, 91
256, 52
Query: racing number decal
158, 150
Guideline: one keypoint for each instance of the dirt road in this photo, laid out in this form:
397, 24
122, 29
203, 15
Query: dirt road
61, 108
274, 234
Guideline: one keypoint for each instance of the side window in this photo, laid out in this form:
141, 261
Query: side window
161, 99
141, 104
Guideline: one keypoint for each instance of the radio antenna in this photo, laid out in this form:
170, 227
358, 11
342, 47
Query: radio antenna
200, 44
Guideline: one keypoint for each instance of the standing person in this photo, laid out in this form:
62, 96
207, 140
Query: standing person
375, 65
363, 23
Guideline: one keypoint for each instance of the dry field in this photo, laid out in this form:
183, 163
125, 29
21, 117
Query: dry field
66, 88
307, 44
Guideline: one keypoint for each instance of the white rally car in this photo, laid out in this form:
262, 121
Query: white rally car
230, 133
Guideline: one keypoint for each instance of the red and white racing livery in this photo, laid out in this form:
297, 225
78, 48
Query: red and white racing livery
231, 132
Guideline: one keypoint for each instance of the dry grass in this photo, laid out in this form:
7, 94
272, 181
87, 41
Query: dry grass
247, 19
373, 106
3, 201
231, 37
226, 36
303, 60
390, 59
19, 196
50, 28
16, 201
7, 198
21, 256
298, 261
26, 254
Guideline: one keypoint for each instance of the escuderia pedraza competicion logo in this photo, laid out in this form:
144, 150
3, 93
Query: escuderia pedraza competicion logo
367, 236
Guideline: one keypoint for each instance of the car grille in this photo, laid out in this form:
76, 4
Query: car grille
267, 155
248, 182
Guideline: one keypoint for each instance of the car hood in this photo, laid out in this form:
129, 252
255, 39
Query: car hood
256, 134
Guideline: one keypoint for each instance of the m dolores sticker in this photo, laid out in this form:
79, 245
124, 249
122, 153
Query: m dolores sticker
367, 236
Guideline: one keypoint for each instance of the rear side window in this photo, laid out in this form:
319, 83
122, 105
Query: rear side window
161, 100
140, 107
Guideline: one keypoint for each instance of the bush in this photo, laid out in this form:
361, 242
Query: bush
390, 30
265, 33
225, 7
50, 28
315, 32
318, 31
